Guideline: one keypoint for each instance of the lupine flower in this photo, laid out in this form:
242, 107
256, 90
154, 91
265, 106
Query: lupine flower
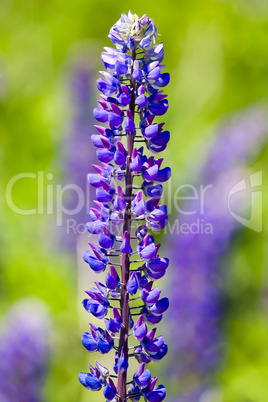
24, 351
194, 293
131, 98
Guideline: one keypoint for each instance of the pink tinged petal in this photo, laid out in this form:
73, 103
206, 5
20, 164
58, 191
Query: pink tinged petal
125, 89
98, 169
117, 110
119, 192
150, 335
139, 371
104, 131
104, 104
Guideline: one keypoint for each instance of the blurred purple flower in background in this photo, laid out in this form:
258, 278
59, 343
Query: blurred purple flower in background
195, 295
24, 351
78, 151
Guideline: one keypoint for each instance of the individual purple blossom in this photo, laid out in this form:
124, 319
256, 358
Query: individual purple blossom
25, 348
131, 90
195, 295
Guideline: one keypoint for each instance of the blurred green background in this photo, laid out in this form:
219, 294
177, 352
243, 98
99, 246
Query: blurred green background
216, 53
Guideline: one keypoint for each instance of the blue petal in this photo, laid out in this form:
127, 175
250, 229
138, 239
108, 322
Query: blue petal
159, 108
109, 393
100, 115
133, 284
160, 306
144, 379
103, 346
89, 342
158, 264
163, 175
89, 381
104, 87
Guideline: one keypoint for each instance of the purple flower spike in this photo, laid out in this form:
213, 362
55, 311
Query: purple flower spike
130, 100
25, 350
125, 247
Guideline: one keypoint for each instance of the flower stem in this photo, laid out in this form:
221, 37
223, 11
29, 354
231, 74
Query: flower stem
123, 342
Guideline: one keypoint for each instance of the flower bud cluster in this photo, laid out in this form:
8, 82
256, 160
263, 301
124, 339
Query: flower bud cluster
131, 87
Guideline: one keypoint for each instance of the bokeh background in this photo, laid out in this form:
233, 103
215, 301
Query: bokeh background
217, 325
